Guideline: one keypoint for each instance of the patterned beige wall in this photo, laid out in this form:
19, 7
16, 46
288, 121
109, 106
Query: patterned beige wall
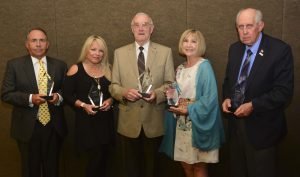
69, 22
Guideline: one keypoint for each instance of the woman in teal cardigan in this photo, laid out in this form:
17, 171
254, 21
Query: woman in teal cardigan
193, 129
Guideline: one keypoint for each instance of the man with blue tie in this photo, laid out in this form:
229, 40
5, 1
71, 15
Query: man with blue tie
258, 85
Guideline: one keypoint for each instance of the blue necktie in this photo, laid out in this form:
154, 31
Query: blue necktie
239, 89
242, 81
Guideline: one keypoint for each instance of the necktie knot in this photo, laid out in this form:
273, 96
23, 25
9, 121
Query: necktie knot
41, 62
249, 53
141, 48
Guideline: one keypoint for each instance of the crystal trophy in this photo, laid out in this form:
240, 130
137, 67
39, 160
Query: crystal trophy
50, 86
95, 96
237, 98
172, 94
145, 83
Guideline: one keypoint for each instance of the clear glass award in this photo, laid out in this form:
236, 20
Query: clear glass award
145, 83
50, 86
172, 94
95, 96
237, 98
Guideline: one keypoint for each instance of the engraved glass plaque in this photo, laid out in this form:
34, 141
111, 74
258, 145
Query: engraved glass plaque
50, 86
172, 94
95, 96
145, 83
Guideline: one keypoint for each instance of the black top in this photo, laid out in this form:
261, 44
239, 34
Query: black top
90, 130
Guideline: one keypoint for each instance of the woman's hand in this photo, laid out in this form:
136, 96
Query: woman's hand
180, 110
106, 105
89, 109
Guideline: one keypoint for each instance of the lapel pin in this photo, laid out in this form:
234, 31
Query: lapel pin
261, 53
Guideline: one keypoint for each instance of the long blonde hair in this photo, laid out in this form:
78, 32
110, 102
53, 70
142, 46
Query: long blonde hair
104, 62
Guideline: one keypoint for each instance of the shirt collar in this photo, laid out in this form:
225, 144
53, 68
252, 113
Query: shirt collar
35, 60
146, 46
255, 46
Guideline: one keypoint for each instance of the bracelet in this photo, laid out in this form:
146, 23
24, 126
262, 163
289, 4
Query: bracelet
82, 104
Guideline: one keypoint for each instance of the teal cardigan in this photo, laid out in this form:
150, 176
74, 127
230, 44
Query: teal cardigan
207, 126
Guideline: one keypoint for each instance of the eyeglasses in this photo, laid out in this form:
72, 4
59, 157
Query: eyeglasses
247, 27
38, 40
142, 25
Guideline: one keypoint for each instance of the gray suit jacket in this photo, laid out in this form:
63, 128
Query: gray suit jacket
135, 115
18, 83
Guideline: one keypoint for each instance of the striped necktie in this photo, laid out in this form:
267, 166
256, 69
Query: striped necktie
244, 72
238, 96
141, 62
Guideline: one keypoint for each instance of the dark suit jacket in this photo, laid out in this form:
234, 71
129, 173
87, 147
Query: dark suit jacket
269, 87
18, 83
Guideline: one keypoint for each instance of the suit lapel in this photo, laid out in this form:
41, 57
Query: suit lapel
238, 61
151, 55
50, 67
132, 61
29, 72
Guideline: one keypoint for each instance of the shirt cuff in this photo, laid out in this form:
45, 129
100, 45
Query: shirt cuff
60, 99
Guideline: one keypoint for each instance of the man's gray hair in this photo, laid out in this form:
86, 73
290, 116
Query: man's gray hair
258, 14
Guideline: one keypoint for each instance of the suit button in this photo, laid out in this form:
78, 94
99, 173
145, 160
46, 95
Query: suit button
142, 106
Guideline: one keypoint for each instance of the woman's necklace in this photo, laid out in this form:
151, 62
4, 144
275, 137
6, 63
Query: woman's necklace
97, 80
94, 70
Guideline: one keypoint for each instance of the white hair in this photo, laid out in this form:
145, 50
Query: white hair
258, 14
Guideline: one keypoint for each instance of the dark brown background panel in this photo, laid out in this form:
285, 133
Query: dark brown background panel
16, 17
111, 20
69, 22
290, 33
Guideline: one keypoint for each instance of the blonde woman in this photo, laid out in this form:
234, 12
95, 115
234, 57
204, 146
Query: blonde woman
93, 123
193, 130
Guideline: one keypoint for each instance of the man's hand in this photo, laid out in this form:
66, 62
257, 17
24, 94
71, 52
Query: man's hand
151, 98
226, 105
244, 110
55, 99
132, 95
37, 99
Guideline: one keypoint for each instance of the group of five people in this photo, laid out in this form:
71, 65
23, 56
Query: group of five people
256, 89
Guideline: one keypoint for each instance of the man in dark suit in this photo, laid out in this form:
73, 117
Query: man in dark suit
258, 85
39, 141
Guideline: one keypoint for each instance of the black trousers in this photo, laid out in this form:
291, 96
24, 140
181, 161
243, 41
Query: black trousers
140, 155
97, 161
245, 160
40, 156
